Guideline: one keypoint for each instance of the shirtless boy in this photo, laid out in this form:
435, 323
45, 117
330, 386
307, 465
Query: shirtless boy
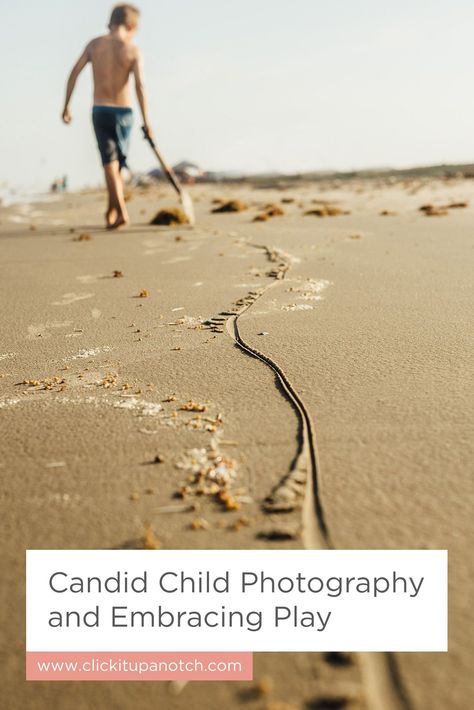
113, 58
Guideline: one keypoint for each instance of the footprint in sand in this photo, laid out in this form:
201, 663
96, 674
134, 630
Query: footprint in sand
308, 290
68, 298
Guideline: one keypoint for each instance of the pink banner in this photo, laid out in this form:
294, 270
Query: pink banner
138, 666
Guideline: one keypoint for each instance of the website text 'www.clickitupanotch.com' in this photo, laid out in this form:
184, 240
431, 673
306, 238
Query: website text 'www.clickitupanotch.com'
146, 667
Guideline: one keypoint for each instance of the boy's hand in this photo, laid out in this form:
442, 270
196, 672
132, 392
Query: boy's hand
67, 118
149, 130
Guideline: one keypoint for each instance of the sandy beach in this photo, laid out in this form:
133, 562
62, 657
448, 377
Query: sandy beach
321, 363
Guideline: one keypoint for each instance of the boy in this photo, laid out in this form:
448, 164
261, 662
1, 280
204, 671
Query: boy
113, 58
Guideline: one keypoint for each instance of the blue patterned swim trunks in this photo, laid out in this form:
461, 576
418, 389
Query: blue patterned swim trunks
112, 126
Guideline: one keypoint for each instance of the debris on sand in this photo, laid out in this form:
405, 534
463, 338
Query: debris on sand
210, 474
330, 702
355, 236
242, 522
110, 380
228, 501
180, 508
432, 211
441, 210
326, 211
270, 210
387, 213
200, 524
84, 237
264, 686
55, 384
149, 539
231, 206
280, 534
117, 274
273, 210
457, 205
260, 688
193, 407
143, 293
287, 200
168, 217
338, 658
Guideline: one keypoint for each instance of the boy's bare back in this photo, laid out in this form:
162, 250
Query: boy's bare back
113, 60
113, 57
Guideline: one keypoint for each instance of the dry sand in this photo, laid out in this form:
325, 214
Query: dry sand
367, 317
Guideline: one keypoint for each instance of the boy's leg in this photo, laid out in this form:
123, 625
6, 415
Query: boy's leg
111, 213
116, 212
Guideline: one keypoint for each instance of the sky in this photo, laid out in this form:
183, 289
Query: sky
247, 85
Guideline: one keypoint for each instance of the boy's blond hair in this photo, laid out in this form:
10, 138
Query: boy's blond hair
126, 15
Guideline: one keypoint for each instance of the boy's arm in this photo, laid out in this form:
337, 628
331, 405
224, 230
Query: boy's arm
140, 91
71, 83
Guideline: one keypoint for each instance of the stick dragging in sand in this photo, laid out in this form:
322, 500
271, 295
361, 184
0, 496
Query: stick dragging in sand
186, 200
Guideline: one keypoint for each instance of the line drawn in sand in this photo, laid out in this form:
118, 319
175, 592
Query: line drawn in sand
301, 487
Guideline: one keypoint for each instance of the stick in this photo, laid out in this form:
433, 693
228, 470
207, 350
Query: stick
172, 177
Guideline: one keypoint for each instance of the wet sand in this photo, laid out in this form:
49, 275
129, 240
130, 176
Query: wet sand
355, 421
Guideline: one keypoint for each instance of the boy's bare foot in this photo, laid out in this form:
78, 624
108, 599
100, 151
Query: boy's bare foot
110, 217
121, 221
